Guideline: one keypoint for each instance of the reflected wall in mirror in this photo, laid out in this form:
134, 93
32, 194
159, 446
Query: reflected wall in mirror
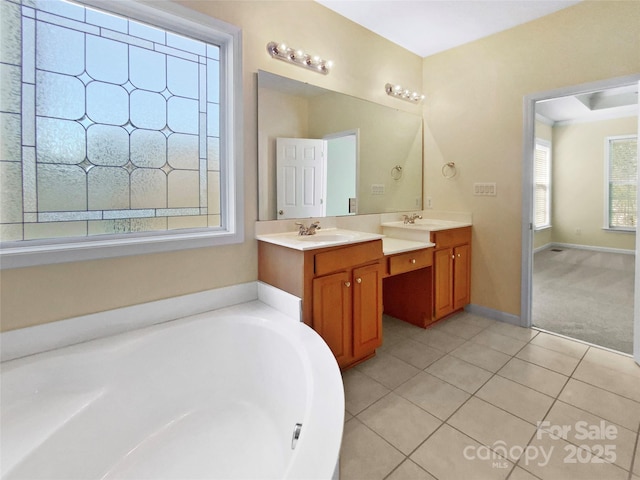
363, 143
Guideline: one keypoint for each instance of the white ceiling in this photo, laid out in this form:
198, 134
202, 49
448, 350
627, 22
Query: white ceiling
426, 27
601, 105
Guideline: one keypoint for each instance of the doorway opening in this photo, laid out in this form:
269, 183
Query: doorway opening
579, 270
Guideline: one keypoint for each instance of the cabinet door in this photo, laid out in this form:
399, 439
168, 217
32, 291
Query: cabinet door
461, 277
443, 282
332, 313
367, 309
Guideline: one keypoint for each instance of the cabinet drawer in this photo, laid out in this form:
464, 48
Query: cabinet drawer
452, 237
405, 262
346, 257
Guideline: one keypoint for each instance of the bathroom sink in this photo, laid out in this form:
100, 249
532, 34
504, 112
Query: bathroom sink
328, 238
323, 238
419, 231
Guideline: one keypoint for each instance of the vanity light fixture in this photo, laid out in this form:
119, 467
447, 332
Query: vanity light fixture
298, 57
403, 93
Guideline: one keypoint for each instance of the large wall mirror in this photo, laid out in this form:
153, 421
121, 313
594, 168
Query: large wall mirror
323, 153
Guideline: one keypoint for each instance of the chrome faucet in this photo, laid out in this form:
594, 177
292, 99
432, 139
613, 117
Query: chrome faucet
310, 230
411, 218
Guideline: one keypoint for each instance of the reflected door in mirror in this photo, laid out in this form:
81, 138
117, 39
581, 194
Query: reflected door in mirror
300, 165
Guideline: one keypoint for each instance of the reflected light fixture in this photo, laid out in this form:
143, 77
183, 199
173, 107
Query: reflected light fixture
403, 93
298, 57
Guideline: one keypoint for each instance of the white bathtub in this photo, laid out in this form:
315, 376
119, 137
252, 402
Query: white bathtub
216, 395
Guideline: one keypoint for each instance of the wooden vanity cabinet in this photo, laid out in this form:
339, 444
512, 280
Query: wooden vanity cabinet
341, 292
452, 270
408, 287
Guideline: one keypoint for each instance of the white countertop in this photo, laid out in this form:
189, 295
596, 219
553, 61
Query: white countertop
329, 237
428, 224
392, 245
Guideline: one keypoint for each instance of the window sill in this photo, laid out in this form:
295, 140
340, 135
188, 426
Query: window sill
540, 229
13, 255
619, 229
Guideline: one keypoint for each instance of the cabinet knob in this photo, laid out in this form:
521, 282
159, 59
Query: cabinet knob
358, 280
413, 260
347, 284
458, 255
280, 212
453, 257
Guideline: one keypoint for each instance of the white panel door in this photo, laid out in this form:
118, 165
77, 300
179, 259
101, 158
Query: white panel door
299, 177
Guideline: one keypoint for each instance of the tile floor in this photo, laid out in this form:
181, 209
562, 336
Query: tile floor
463, 400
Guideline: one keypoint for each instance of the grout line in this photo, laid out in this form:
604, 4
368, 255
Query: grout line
634, 454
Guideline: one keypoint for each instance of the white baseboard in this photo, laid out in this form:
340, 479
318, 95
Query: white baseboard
493, 314
593, 248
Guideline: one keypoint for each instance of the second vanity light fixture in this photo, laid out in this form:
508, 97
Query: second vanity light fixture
298, 57
403, 93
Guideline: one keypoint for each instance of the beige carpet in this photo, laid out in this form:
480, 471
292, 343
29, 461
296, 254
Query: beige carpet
585, 295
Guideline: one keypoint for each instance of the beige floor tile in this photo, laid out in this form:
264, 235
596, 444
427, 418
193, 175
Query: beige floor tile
415, 353
459, 373
364, 455
613, 380
636, 462
559, 344
602, 403
451, 455
472, 319
433, 395
555, 461
508, 330
515, 398
399, 422
347, 416
615, 361
388, 370
390, 338
360, 391
397, 326
481, 356
533, 376
408, 470
499, 342
521, 474
460, 329
584, 428
558, 362
492, 426
438, 339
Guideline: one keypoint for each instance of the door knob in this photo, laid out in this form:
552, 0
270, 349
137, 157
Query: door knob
280, 212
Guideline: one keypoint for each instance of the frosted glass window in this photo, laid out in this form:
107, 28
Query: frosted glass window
109, 125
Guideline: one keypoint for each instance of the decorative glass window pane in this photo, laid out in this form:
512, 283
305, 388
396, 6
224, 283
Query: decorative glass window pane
105, 120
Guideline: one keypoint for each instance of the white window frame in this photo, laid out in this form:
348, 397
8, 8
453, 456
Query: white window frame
166, 14
547, 224
607, 168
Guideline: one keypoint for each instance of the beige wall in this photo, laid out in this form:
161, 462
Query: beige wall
578, 183
363, 61
282, 116
474, 117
